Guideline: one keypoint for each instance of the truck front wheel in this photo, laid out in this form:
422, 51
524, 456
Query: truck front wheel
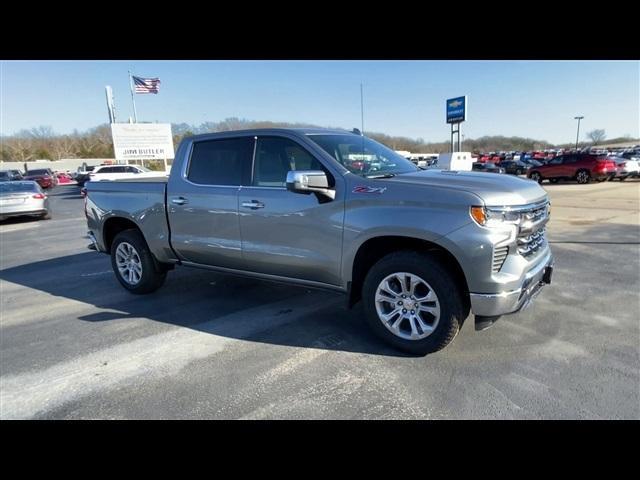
133, 263
412, 302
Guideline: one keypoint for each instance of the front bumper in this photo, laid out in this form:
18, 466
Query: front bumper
513, 301
25, 212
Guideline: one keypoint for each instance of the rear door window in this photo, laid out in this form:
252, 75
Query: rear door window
221, 162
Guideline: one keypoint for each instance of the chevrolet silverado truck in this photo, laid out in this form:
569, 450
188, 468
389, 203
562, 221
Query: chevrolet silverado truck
419, 248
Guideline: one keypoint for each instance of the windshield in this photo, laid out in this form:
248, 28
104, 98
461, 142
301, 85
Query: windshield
38, 172
11, 187
363, 156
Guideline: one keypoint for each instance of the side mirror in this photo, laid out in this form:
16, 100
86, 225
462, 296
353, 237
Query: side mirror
309, 181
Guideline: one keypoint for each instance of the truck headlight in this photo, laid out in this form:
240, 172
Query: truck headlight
487, 217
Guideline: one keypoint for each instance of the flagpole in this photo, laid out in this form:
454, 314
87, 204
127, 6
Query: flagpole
133, 99
361, 110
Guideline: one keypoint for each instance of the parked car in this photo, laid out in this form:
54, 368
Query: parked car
487, 167
64, 178
530, 162
515, 167
10, 175
23, 198
282, 204
117, 172
582, 167
626, 168
82, 175
44, 176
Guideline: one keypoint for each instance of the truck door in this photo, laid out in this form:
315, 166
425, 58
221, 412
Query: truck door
202, 201
286, 233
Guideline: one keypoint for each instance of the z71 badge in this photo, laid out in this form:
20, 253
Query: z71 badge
365, 189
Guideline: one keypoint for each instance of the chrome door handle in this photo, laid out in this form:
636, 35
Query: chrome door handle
179, 201
253, 204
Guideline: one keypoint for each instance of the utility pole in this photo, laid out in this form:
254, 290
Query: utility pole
578, 132
361, 110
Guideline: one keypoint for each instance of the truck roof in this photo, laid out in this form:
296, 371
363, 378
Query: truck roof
267, 131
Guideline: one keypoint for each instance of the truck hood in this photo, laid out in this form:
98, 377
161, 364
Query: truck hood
493, 188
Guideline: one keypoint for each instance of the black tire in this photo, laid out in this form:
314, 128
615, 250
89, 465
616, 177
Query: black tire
453, 309
153, 275
583, 176
536, 177
553, 180
46, 216
622, 179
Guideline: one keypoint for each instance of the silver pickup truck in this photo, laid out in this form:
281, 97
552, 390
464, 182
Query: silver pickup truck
336, 210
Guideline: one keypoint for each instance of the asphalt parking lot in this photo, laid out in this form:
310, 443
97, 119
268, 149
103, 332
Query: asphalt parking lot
74, 344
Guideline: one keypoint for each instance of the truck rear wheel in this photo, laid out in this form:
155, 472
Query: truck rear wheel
133, 263
412, 302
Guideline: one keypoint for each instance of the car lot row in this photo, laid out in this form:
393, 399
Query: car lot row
581, 167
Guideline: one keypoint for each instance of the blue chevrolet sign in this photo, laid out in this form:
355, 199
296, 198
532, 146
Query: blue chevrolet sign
456, 109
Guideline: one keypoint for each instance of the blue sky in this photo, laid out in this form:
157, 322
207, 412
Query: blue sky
526, 98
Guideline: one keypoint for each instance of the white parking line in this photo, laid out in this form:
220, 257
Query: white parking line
93, 274
18, 226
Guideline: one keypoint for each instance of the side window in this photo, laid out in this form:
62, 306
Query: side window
556, 161
275, 157
570, 159
220, 162
132, 170
106, 170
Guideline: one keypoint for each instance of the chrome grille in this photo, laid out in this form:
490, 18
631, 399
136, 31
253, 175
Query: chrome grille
530, 244
499, 256
531, 236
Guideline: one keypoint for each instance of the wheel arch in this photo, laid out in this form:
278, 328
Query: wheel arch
373, 249
113, 226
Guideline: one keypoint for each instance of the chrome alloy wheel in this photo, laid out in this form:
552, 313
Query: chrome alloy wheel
582, 177
129, 264
407, 306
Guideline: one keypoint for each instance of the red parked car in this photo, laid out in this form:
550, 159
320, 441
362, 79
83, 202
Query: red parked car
582, 167
64, 178
43, 176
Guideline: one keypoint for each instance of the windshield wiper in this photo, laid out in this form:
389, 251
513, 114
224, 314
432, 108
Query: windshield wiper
382, 175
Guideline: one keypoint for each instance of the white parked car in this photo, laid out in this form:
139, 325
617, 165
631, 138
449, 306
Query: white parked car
117, 172
627, 167
23, 197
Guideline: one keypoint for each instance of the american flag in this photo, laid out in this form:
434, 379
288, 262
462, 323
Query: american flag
146, 85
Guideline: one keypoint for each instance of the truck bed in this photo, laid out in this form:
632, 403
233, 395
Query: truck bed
141, 201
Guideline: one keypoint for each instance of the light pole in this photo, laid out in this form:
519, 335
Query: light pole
578, 132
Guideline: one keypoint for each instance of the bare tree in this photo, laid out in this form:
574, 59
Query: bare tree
596, 136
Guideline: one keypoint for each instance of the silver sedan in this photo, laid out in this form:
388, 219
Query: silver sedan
23, 198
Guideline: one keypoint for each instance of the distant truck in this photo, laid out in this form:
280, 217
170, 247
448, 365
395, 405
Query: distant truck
419, 248
459, 161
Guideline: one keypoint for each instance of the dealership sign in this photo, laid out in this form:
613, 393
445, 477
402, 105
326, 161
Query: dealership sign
457, 109
142, 141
